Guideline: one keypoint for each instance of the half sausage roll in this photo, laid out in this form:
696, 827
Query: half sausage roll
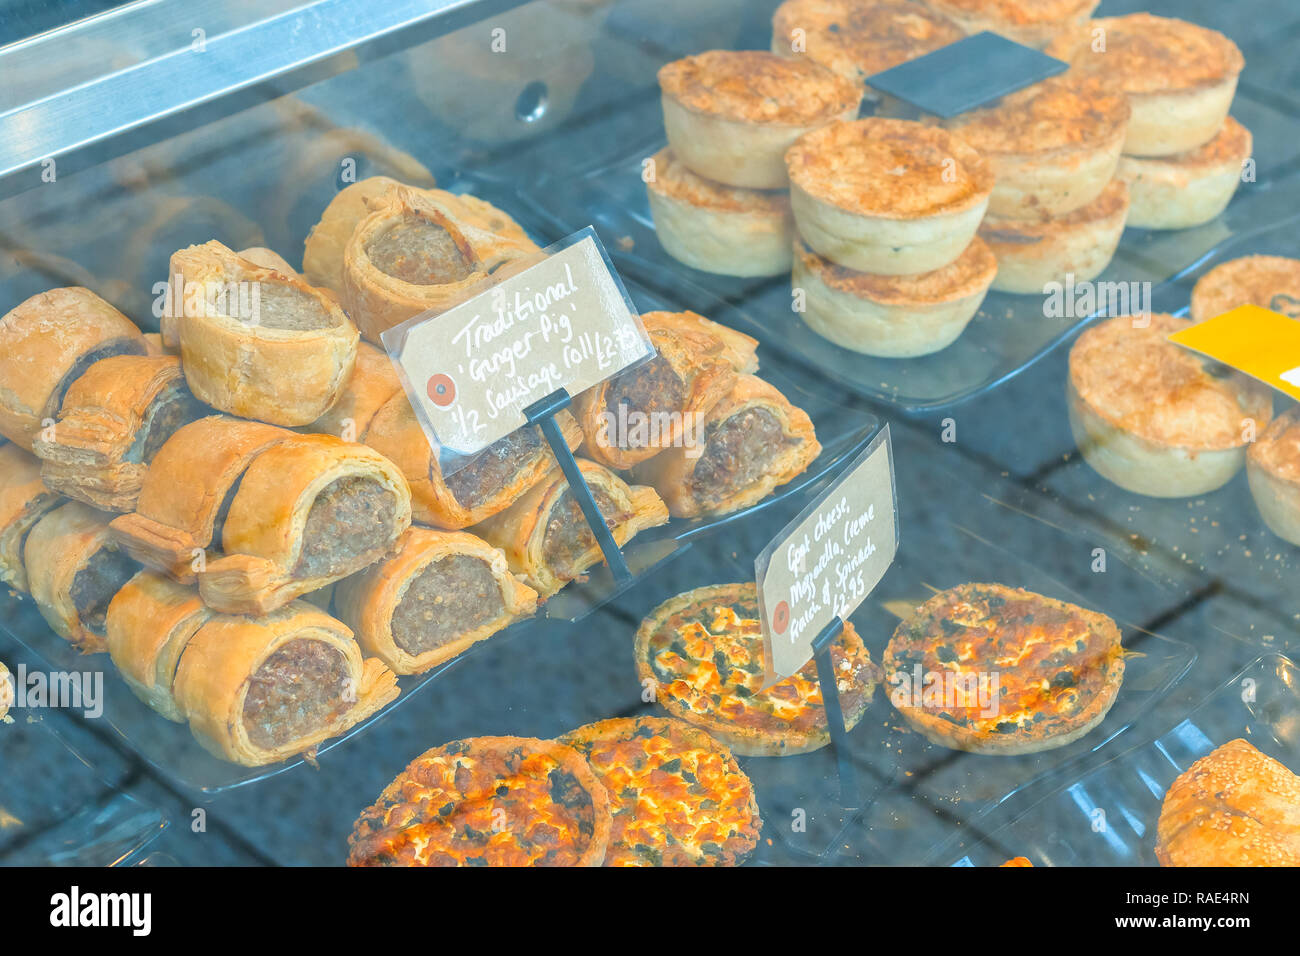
440, 593
24, 499
641, 411
149, 623
709, 338
372, 383
750, 442
545, 535
169, 333
322, 254
187, 493
484, 486
114, 420
309, 510
74, 568
256, 342
420, 250
259, 690
46, 343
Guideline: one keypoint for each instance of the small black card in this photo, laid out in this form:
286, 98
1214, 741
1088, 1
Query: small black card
967, 74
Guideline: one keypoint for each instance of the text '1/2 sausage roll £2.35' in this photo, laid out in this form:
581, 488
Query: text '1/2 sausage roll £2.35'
187, 492
24, 499
643, 410
256, 342
309, 510
74, 568
747, 444
113, 421
46, 343
488, 483
437, 595
545, 535
257, 690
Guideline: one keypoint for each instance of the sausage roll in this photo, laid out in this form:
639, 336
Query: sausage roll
488, 484
710, 338
309, 510
746, 445
421, 250
169, 335
24, 499
187, 493
545, 534
149, 624
74, 568
641, 411
45, 345
440, 593
372, 383
322, 254
114, 420
259, 690
256, 342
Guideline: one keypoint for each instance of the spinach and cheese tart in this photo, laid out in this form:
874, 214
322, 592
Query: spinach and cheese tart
996, 670
676, 795
488, 801
703, 652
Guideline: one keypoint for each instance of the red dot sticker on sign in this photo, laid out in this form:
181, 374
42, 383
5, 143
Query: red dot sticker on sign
781, 618
441, 390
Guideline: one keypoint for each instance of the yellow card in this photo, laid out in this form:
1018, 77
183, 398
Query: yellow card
1262, 343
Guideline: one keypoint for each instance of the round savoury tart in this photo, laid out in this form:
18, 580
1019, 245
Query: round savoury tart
893, 316
1273, 468
1150, 416
1187, 189
488, 801
703, 652
1034, 23
677, 796
1021, 672
730, 115
1272, 282
887, 196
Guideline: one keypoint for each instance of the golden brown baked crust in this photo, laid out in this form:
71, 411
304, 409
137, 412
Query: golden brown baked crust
1058, 668
736, 348
150, 622
971, 273
1233, 807
1150, 54
309, 510
1062, 113
186, 490
114, 419
858, 40
1231, 145
259, 690
757, 87
423, 249
687, 377
545, 536
487, 801
674, 179
1019, 11
677, 796
1277, 449
46, 343
1001, 230
1271, 282
702, 651
292, 346
372, 383
487, 485
753, 441
477, 587
24, 499
895, 169
74, 568
1137, 381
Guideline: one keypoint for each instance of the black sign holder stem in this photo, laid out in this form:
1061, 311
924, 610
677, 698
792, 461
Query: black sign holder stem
542, 413
821, 648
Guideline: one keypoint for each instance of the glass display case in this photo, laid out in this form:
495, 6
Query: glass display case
243, 594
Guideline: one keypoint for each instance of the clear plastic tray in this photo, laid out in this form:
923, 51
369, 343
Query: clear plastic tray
1108, 817
1009, 333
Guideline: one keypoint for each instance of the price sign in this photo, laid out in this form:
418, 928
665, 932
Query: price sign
564, 322
826, 562
1260, 342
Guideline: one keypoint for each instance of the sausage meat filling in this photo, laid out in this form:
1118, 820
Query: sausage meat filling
654, 388
172, 408
274, 305
97, 582
350, 523
567, 537
300, 688
495, 467
738, 452
420, 252
450, 597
